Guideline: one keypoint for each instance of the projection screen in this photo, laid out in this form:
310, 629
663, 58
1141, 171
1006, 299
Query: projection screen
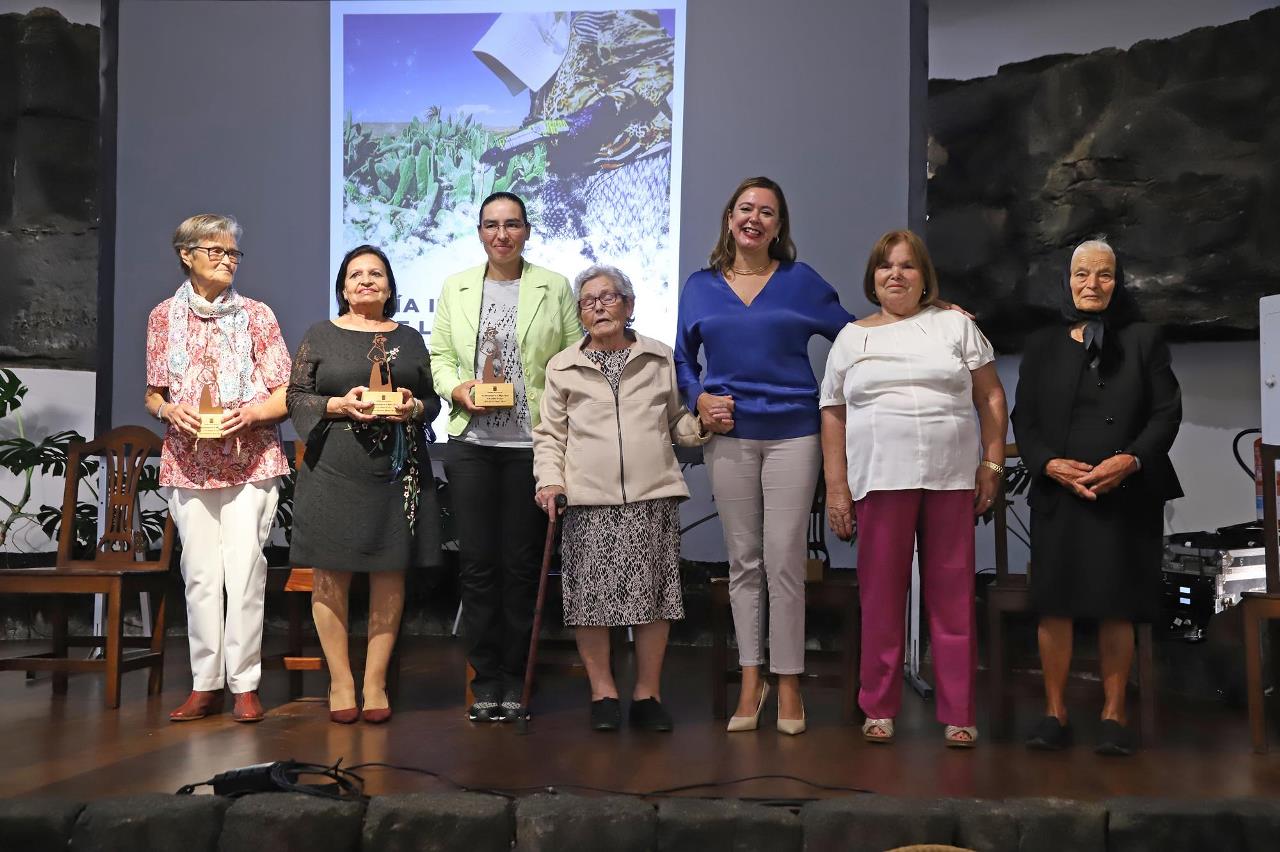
576, 109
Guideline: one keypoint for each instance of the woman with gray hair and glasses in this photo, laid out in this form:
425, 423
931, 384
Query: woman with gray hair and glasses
609, 415
208, 339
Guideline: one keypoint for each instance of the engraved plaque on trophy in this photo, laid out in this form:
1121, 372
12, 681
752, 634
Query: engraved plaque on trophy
381, 394
493, 391
384, 397
210, 416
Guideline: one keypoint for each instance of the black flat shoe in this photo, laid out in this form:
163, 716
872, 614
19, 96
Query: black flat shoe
606, 714
1115, 740
1050, 735
648, 714
484, 711
511, 709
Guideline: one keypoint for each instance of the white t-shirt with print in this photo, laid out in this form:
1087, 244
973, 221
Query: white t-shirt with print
497, 339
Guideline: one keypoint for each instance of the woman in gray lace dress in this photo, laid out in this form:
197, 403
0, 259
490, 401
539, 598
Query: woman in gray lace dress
609, 415
365, 498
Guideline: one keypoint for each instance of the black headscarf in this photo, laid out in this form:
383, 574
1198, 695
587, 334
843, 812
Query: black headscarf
1119, 312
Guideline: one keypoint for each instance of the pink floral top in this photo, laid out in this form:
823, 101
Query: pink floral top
251, 455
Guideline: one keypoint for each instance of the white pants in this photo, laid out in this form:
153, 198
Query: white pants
223, 531
764, 493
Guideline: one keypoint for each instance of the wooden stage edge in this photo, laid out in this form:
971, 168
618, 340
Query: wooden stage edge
72, 747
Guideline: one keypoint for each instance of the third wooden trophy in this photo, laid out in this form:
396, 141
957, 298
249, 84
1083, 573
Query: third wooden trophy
493, 390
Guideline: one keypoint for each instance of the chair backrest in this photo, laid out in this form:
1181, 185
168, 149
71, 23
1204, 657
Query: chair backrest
817, 540
123, 453
1000, 514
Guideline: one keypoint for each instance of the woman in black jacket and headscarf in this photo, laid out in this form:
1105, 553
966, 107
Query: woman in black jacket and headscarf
1098, 408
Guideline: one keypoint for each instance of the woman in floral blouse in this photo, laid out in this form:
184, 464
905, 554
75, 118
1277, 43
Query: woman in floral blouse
224, 489
365, 500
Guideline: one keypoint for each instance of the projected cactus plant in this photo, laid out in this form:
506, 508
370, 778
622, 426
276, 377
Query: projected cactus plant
430, 165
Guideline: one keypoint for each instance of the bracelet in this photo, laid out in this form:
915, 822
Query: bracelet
418, 408
990, 465
160, 412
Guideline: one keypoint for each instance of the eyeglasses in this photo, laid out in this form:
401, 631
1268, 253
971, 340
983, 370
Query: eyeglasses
606, 299
217, 253
492, 226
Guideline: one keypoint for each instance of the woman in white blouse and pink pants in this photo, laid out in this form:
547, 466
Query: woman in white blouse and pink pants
901, 451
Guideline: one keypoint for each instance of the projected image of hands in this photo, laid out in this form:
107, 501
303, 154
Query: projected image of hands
574, 111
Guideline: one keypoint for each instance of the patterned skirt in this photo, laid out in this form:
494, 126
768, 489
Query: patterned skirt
621, 564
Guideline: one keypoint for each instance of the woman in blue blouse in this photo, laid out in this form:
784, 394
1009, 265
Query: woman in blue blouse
752, 313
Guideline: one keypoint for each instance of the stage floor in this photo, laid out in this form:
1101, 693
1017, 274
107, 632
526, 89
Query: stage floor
73, 747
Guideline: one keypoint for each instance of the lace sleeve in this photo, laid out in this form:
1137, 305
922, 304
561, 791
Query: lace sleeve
306, 407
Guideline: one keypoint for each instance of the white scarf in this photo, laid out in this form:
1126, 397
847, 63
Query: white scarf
234, 357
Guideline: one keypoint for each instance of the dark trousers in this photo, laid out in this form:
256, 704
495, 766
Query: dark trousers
500, 533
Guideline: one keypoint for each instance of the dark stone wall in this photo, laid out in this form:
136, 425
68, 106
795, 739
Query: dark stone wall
49, 186
479, 823
1171, 148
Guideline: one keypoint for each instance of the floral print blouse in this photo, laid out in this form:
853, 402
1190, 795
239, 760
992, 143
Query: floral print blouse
251, 455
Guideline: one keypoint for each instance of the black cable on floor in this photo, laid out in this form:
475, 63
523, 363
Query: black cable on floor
513, 792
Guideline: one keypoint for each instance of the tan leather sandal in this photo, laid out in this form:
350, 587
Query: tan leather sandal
960, 736
877, 730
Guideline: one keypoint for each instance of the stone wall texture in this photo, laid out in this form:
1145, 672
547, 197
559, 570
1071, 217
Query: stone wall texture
1171, 148
471, 822
49, 190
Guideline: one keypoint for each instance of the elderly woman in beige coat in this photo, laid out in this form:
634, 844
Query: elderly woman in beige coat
609, 416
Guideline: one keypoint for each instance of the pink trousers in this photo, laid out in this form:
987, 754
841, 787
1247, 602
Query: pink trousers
888, 525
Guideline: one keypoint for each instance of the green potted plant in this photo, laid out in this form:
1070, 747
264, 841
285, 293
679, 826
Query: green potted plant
23, 457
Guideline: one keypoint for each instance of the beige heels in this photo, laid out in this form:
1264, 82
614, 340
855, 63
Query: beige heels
792, 727
750, 723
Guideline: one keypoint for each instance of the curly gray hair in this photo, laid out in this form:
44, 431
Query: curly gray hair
613, 273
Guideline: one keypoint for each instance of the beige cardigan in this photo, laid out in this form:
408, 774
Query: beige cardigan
605, 451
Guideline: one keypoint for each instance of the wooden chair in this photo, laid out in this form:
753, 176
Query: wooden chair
298, 582
837, 592
1010, 594
1262, 608
116, 569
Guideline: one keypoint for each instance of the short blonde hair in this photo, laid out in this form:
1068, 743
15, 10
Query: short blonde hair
202, 226
881, 250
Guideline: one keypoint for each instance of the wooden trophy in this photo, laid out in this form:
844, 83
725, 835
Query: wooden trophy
493, 391
210, 416
384, 397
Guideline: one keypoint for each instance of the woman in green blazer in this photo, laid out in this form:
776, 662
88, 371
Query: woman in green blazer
498, 323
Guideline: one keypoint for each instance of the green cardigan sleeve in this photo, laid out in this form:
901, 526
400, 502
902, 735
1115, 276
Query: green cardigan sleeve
444, 359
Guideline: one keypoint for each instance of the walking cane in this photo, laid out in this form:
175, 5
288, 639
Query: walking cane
522, 724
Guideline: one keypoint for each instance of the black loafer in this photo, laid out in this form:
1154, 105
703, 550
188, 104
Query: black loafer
648, 714
606, 714
1115, 740
1050, 735
484, 711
